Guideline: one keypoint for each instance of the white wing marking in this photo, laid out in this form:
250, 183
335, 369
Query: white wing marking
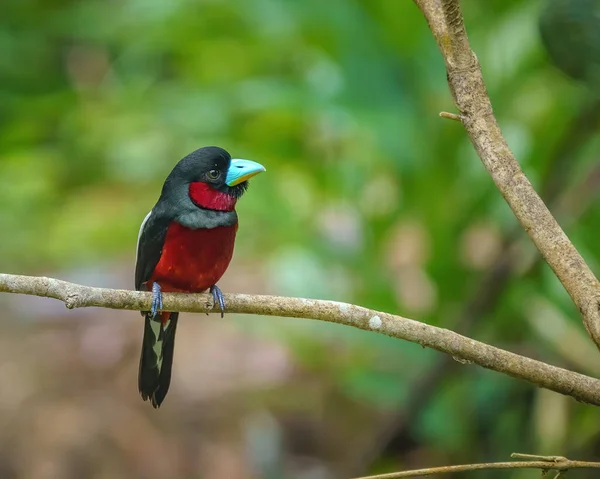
157, 347
137, 247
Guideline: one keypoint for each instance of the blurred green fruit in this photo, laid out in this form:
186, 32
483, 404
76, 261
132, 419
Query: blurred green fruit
570, 31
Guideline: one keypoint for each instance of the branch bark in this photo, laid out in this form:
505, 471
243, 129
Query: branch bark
463, 349
569, 202
470, 95
545, 463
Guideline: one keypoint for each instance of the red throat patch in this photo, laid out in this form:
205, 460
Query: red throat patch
205, 196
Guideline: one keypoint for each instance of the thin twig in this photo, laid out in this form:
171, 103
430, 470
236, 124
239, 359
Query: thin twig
450, 116
537, 457
461, 348
545, 463
470, 95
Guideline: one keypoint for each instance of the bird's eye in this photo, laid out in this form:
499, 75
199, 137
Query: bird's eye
214, 174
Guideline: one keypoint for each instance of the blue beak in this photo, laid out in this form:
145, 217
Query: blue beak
241, 170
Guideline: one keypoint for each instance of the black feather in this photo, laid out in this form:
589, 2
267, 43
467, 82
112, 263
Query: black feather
155, 370
150, 245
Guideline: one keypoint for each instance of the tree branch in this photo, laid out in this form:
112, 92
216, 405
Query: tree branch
545, 463
569, 203
469, 92
463, 349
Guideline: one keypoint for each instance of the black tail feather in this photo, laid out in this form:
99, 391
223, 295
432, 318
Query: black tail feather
156, 360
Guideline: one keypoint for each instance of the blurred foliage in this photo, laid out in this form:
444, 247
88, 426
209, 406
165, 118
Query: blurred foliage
369, 198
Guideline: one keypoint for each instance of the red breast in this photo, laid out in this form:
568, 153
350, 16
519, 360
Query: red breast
194, 260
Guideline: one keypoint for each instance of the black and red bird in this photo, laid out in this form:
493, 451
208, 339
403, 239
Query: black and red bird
185, 245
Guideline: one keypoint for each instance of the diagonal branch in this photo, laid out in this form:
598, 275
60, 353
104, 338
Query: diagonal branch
569, 202
545, 463
469, 92
463, 349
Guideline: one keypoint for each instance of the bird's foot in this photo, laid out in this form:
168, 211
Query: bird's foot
157, 302
218, 298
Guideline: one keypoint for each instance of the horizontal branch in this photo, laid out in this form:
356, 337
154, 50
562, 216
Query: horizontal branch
463, 349
545, 463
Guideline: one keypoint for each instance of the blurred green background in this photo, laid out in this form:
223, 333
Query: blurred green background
369, 198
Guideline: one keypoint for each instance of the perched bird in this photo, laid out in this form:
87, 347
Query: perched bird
185, 244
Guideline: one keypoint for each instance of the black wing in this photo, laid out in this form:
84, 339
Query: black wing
151, 240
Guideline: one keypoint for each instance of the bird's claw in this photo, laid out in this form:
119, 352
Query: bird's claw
157, 302
218, 298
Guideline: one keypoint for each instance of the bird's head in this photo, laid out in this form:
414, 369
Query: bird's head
213, 179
